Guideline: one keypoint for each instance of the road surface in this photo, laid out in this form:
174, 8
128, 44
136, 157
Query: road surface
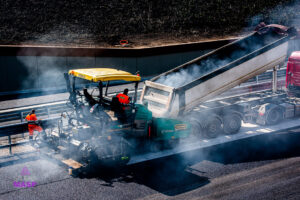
247, 169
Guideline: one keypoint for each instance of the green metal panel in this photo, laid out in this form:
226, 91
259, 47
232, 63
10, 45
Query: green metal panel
167, 129
142, 113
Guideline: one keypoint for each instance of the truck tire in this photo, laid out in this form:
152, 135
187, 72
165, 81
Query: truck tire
274, 116
231, 123
197, 128
213, 127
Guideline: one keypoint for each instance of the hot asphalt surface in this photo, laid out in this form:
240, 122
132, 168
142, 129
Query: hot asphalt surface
241, 170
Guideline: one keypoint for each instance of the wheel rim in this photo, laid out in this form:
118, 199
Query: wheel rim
213, 128
232, 124
273, 117
196, 128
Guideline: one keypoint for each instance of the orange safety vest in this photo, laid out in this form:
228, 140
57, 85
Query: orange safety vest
124, 99
31, 117
33, 127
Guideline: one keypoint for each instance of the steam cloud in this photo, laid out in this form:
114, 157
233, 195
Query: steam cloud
212, 62
282, 14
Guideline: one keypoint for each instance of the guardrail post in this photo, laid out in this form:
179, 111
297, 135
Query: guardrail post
9, 142
48, 112
22, 119
21, 115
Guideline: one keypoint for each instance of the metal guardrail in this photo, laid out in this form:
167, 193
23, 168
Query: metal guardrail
268, 75
20, 128
41, 110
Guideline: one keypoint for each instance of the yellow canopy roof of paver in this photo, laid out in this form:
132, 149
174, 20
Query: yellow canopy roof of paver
104, 74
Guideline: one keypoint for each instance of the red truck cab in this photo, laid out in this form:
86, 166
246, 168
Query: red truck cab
292, 82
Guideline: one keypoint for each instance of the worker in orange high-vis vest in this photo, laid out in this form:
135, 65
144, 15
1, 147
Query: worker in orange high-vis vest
31, 119
123, 97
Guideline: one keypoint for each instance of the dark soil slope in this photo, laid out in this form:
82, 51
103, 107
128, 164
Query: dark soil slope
89, 22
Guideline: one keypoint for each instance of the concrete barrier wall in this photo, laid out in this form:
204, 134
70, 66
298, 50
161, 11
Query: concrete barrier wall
27, 70
33, 73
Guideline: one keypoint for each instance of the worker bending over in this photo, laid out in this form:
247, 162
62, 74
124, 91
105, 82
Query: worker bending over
32, 124
123, 97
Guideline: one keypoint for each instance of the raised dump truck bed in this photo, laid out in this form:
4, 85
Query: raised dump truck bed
181, 89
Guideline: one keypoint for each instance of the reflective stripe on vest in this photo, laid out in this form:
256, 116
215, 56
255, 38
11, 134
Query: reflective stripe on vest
123, 98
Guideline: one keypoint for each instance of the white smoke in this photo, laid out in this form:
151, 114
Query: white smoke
181, 77
284, 14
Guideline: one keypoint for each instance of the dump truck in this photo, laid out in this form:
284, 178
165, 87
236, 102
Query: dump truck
178, 104
187, 90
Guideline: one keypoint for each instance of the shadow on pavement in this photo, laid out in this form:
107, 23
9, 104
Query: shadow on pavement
169, 176
17, 159
264, 147
172, 176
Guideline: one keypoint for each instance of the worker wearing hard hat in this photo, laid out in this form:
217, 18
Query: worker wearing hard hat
32, 124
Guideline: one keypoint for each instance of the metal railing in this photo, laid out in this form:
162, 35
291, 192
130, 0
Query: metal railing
20, 128
41, 110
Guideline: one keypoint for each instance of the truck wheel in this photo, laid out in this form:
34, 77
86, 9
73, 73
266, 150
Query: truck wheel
274, 116
213, 127
232, 123
197, 129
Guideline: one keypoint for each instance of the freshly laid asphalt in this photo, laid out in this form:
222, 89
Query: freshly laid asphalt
249, 169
